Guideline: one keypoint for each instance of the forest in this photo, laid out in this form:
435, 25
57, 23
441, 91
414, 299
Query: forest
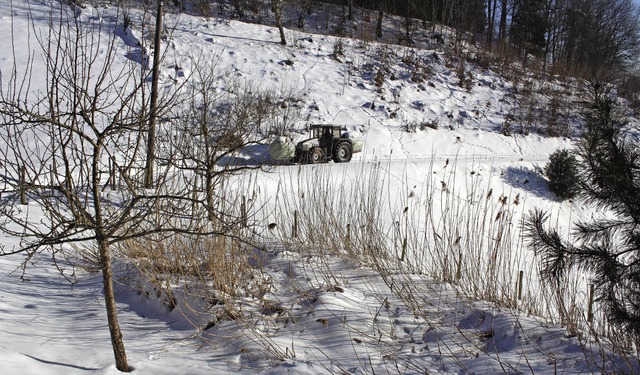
584, 37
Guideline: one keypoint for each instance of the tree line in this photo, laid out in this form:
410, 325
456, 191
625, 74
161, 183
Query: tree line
585, 36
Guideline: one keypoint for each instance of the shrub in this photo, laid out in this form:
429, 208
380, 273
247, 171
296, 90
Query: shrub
562, 172
379, 78
338, 49
432, 124
630, 90
410, 126
202, 7
230, 141
556, 116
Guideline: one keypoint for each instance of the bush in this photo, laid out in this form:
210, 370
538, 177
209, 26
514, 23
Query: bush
630, 90
230, 141
562, 172
338, 49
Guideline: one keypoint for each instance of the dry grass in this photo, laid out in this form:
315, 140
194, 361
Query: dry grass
456, 232
461, 233
219, 262
466, 241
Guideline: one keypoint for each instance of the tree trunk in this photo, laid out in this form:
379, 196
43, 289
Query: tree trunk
502, 34
110, 304
151, 145
209, 176
283, 38
379, 24
410, 15
491, 18
276, 8
104, 253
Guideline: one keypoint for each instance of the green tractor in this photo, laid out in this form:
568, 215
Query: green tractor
326, 142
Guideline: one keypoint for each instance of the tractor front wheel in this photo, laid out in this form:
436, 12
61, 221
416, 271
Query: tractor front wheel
315, 156
342, 153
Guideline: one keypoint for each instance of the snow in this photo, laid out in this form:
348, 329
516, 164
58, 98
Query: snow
49, 326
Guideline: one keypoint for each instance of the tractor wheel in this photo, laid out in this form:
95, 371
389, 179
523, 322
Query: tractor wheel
342, 153
315, 156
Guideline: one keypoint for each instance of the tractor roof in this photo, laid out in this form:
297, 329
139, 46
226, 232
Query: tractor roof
323, 126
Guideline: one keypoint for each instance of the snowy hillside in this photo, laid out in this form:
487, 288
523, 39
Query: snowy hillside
406, 260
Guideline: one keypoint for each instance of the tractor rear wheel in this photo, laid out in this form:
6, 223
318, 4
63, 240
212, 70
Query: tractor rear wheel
316, 156
342, 153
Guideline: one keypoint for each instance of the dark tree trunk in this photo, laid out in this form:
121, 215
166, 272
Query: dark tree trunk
502, 33
491, 18
276, 7
110, 304
104, 254
104, 257
283, 38
379, 24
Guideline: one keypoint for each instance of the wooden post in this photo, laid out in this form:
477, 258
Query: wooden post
406, 234
348, 236
51, 176
151, 139
110, 179
590, 310
54, 168
194, 195
112, 171
459, 270
243, 211
404, 249
223, 193
520, 285
295, 224
23, 182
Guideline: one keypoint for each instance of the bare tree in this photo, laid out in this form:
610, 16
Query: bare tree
214, 127
600, 35
504, 12
553, 14
276, 8
70, 143
379, 23
350, 7
528, 27
408, 21
491, 19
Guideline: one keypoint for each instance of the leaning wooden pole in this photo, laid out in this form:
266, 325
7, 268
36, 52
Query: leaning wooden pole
151, 142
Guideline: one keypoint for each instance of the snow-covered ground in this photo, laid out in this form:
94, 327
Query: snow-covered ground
361, 325
49, 327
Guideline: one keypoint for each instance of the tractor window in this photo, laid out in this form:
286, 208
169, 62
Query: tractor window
328, 131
